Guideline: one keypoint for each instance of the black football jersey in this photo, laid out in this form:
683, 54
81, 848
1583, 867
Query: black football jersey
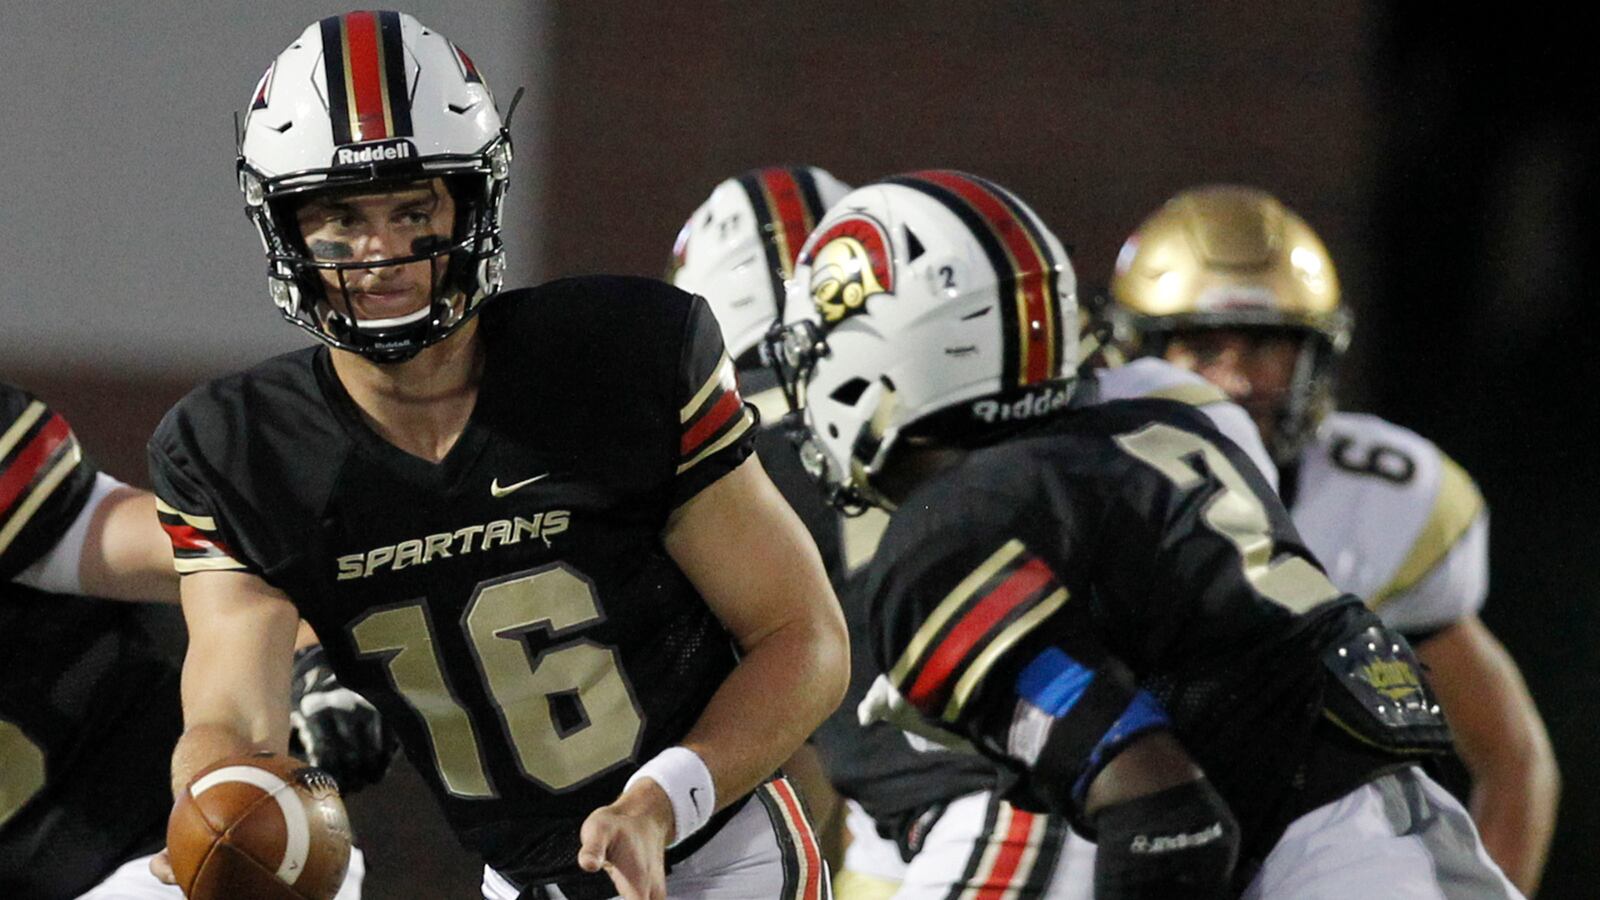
88, 706
897, 778
511, 610
1130, 531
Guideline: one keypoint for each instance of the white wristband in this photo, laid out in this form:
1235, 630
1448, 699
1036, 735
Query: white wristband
684, 776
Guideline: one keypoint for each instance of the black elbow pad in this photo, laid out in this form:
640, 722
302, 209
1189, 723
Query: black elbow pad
1178, 842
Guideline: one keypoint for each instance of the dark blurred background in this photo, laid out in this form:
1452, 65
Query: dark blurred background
1450, 165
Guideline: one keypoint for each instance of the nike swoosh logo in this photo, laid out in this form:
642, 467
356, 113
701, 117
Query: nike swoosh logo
693, 799
498, 491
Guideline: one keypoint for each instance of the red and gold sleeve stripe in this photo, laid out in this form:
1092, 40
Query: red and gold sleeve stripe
364, 63
714, 417
196, 544
1016, 855
1007, 596
37, 453
1024, 264
804, 876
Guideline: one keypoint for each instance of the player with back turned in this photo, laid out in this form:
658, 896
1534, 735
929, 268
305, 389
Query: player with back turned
525, 525
947, 828
1106, 598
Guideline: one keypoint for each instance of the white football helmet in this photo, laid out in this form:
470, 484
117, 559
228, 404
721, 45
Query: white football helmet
376, 99
934, 304
739, 247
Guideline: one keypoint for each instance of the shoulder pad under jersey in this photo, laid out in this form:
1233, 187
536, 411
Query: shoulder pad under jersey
1394, 519
1149, 378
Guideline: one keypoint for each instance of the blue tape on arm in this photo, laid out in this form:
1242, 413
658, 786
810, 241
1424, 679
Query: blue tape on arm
1143, 714
1053, 682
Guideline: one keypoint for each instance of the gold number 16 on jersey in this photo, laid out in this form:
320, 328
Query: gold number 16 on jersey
551, 598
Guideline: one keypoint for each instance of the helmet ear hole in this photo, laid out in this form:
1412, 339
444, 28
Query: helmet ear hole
850, 392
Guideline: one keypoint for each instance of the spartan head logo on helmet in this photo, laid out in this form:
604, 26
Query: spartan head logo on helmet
850, 264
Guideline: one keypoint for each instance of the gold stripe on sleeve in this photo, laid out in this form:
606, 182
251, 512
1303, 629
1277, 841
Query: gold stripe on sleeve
949, 606
20, 427
1456, 505
204, 523
40, 493
996, 648
723, 369
206, 564
746, 420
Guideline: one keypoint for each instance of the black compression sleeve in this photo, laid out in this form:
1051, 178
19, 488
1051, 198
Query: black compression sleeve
1178, 842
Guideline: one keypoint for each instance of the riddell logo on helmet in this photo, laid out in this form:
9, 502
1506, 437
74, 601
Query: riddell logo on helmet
1029, 406
376, 152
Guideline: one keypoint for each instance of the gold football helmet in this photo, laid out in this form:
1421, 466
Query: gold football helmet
1234, 257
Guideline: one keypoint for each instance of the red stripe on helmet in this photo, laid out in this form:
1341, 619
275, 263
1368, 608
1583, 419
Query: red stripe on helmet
1031, 266
469, 70
364, 60
790, 218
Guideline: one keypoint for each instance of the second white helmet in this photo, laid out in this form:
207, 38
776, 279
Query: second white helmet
740, 245
935, 303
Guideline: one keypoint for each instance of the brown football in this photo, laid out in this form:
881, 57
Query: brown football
259, 826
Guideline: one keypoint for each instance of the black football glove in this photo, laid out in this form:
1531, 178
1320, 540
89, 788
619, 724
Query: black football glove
335, 728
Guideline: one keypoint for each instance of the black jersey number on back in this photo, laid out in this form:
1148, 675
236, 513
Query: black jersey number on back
1382, 461
22, 775
1234, 512
551, 598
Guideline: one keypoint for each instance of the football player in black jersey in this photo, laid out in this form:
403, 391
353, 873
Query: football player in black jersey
940, 808
527, 529
1105, 598
88, 703
88, 692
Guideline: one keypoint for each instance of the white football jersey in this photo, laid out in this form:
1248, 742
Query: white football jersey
1395, 521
